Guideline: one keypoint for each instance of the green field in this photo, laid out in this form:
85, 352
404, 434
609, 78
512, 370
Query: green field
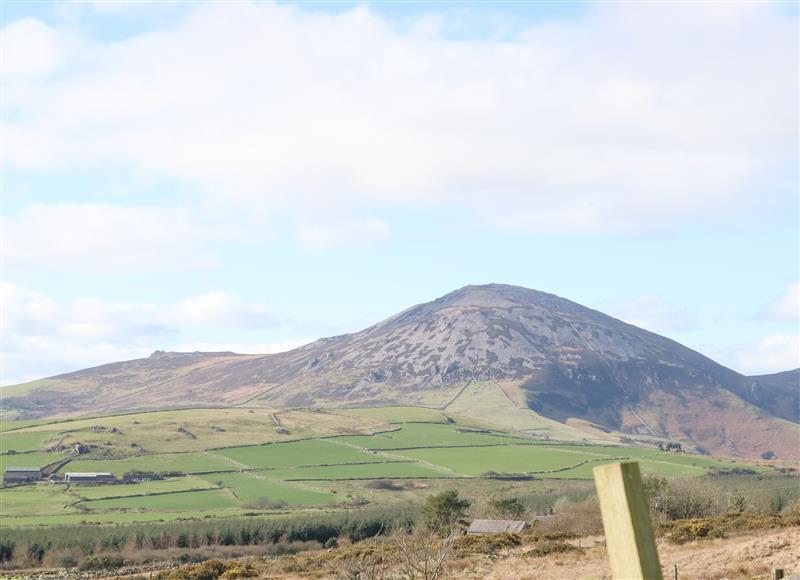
309, 452
251, 487
198, 429
24, 441
341, 451
7, 425
212, 499
35, 459
180, 462
146, 488
430, 435
557, 461
505, 459
34, 500
372, 470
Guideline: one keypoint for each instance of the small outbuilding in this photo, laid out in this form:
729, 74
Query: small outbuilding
495, 526
88, 477
22, 474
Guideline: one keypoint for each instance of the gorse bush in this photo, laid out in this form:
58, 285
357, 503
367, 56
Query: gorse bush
211, 570
547, 547
487, 543
680, 531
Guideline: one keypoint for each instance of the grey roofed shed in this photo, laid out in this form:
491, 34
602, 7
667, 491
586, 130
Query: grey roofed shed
495, 526
22, 474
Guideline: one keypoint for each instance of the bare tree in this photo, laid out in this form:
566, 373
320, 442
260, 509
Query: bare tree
423, 553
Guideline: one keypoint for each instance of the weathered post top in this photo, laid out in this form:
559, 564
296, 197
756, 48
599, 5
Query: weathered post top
626, 520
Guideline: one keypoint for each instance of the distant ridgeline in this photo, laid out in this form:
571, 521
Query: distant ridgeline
545, 356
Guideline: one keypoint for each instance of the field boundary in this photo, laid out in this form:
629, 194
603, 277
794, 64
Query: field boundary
458, 394
171, 492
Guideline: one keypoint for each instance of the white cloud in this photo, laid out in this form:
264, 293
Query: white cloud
222, 309
773, 353
43, 336
92, 331
630, 118
107, 238
322, 235
787, 306
33, 50
651, 312
100, 237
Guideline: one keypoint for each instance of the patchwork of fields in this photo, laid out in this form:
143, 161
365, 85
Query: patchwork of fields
302, 460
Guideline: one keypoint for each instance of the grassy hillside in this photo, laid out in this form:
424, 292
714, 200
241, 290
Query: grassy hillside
299, 460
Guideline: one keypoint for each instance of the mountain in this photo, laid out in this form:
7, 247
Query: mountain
560, 360
778, 392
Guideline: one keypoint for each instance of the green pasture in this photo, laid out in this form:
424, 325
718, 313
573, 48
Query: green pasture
305, 473
429, 435
9, 423
557, 461
30, 500
659, 462
212, 499
201, 429
144, 488
179, 462
251, 487
24, 441
292, 454
372, 470
36, 459
501, 459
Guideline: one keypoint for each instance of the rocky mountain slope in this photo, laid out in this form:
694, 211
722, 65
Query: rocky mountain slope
562, 360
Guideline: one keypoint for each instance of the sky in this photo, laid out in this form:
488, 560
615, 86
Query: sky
251, 176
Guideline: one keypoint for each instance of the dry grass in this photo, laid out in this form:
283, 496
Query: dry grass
749, 555
736, 558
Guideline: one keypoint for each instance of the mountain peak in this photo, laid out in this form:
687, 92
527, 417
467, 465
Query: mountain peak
494, 294
555, 357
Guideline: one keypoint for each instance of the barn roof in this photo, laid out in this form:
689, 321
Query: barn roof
495, 526
23, 469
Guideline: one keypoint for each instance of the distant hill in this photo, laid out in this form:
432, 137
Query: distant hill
779, 392
562, 360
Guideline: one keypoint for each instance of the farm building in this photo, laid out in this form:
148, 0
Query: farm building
21, 474
495, 526
88, 477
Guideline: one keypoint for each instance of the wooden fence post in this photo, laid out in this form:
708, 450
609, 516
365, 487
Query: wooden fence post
626, 520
